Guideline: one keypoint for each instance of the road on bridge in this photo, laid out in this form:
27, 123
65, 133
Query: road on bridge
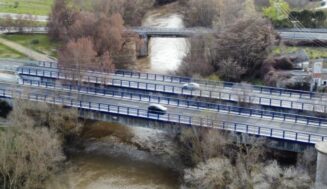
210, 91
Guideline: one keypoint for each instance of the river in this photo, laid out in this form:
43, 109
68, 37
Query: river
165, 54
126, 171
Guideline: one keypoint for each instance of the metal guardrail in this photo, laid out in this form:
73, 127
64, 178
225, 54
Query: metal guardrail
308, 30
293, 104
171, 118
179, 79
241, 111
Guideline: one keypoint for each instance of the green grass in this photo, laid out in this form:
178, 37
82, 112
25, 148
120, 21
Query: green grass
6, 52
37, 42
313, 52
35, 7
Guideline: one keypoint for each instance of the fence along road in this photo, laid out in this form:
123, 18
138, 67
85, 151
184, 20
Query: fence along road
114, 93
271, 128
299, 102
207, 83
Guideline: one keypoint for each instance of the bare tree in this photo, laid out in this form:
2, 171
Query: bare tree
60, 19
230, 70
246, 42
79, 54
215, 173
108, 34
29, 153
196, 62
275, 177
83, 25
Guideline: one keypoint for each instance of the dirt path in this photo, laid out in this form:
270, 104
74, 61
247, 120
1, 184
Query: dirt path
26, 51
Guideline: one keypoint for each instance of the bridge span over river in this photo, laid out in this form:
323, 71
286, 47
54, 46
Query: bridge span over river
125, 95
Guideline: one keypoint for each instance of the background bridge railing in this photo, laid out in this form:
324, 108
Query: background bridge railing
179, 79
170, 89
256, 113
171, 118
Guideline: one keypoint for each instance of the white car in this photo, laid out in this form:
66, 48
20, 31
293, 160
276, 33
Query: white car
191, 86
157, 109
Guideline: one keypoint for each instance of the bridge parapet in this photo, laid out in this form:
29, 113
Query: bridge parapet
177, 90
233, 110
284, 134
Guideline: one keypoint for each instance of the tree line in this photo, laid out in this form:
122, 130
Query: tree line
239, 46
95, 38
281, 15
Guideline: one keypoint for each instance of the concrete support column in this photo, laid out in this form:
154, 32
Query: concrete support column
144, 48
321, 174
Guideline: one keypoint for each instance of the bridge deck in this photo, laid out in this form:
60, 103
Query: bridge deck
187, 115
254, 96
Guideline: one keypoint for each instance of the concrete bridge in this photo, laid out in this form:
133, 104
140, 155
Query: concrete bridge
122, 103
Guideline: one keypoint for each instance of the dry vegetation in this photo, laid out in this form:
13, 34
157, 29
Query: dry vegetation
220, 160
98, 31
31, 147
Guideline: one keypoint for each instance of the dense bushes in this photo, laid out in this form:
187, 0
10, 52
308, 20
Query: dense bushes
32, 145
302, 19
309, 19
222, 160
233, 54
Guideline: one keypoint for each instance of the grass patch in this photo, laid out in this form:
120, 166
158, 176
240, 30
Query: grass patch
313, 52
37, 42
35, 7
6, 52
39, 7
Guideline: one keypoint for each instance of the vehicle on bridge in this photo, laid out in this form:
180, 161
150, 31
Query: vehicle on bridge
191, 86
157, 109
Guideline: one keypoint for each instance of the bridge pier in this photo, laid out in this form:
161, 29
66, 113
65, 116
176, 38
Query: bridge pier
144, 47
321, 173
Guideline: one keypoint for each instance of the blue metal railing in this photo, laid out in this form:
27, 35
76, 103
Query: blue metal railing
293, 104
179, 79
307, 120
171, 118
